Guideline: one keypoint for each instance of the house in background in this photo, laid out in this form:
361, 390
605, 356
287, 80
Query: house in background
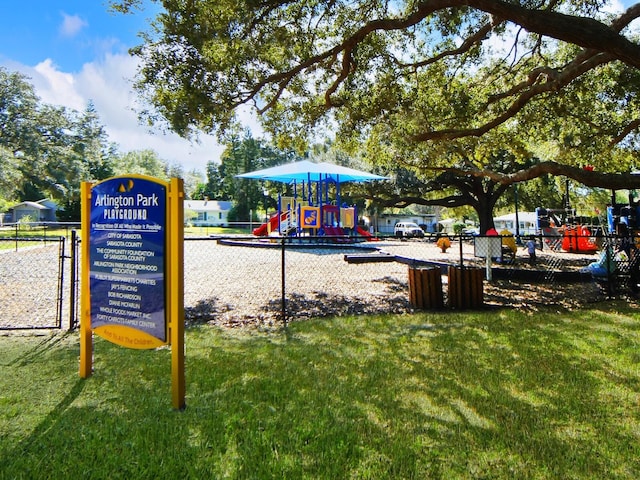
528, 223
206, 213
40, 211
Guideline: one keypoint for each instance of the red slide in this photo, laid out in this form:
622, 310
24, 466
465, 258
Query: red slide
578, 240
365, 233
263, 231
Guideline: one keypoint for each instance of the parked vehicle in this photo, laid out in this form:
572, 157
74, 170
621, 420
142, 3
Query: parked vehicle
408, 230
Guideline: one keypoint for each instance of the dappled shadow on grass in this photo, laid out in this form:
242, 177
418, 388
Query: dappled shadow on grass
538, 390
14, 354
205, 311
447, 395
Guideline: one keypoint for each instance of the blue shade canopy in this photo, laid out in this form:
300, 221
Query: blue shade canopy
306, 171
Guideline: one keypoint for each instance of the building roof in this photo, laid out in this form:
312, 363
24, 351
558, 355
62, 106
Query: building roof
35, 205
207, 205
44, 204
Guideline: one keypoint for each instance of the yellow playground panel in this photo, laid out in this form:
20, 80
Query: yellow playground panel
348, 217
508, 240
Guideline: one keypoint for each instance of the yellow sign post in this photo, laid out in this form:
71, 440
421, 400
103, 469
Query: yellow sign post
176, 292
132, 279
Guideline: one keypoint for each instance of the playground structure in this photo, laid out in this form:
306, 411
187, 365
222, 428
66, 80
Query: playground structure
296, 217
624, 214
313, 213
562, 229
622, 220
619, 261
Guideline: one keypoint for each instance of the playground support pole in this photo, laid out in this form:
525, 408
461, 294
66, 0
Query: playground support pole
265, 192
279, 213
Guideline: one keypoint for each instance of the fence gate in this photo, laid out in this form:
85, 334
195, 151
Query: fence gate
32, 283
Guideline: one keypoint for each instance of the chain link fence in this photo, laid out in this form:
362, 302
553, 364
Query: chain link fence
243, 280
240, 280
33, 283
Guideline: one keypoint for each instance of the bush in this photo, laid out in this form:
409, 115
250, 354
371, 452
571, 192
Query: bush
25, 222
443, 243
458, 227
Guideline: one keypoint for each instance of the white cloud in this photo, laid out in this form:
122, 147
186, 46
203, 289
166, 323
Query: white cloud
108, 85
56, 87
615, 6
71, 25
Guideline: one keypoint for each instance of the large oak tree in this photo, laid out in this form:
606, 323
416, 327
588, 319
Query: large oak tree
423, 78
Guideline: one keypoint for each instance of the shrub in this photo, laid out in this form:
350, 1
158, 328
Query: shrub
443, 243
458, 227
25, 222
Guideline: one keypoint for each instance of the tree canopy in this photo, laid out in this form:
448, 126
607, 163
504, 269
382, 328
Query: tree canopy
411, 72
463, 98
46, 151
244, 154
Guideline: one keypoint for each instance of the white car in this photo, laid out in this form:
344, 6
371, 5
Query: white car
408, 229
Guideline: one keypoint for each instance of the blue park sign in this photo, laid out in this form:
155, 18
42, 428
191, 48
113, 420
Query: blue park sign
127, 236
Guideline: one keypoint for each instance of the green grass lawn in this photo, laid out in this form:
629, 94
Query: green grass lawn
35, 232
206, 231
500, 395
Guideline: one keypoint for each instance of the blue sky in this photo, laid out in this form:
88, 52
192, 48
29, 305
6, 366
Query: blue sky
75, 51
70, 33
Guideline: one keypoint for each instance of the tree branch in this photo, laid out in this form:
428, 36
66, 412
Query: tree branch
420, 13
584, 32
400, 201
631, 126
614, 181
469, 42
551, 83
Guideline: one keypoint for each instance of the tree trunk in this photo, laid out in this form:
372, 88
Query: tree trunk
484, 209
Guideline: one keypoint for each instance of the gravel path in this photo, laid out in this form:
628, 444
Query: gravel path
237, 285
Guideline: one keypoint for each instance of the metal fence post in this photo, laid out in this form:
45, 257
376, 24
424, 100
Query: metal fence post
610, 258
283, 269
61, 259
73, 287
